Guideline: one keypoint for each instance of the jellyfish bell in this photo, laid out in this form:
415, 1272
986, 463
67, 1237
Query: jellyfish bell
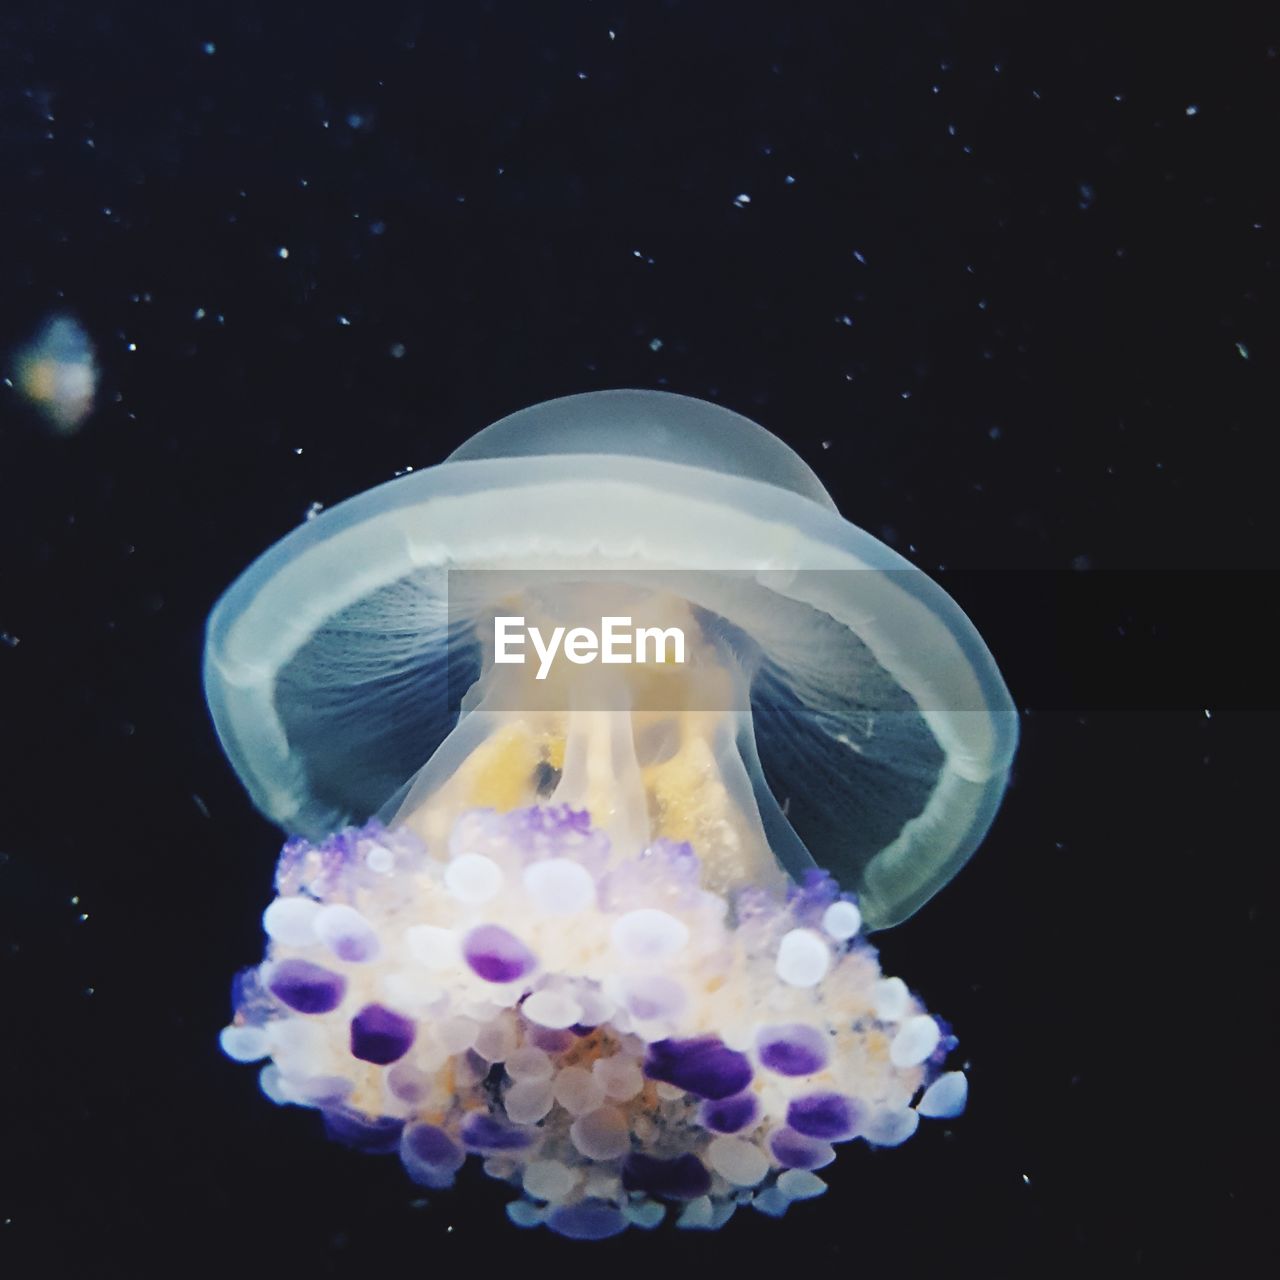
876, 712
654, 870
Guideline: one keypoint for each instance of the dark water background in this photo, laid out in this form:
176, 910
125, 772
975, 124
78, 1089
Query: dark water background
1006, 281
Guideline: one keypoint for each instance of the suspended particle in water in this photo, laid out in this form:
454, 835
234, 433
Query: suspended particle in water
58, 374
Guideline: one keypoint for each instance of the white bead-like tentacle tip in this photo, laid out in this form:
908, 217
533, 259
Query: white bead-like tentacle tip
803, 958
946, 1097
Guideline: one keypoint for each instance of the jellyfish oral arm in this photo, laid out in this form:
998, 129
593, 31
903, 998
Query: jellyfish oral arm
606, 1034
648, 747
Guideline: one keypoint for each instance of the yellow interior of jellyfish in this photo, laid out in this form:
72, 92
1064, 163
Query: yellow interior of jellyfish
834, 705
648, 749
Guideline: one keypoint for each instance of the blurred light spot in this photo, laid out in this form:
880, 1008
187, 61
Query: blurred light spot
58, 374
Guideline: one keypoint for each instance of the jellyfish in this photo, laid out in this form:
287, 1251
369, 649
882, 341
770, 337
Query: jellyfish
603, 925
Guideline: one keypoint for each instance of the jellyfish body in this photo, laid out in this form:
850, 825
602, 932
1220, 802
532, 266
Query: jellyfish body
582, 938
